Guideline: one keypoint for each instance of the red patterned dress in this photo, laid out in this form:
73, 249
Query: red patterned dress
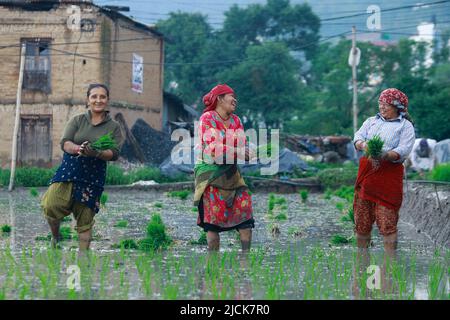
216, 214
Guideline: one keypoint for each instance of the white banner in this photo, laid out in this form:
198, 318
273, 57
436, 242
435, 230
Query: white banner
137, 81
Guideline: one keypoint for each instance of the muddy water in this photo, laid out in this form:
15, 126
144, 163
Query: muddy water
309, 227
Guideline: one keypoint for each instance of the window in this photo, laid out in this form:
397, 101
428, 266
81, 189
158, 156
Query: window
36, 74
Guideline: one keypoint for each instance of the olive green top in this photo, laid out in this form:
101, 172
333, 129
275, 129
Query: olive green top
80, 129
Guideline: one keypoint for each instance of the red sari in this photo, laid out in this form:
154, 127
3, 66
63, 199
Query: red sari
216, 214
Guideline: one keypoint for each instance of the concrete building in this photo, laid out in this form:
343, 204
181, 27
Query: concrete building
70, 44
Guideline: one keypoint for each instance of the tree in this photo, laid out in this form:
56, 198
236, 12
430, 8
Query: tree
266, 84
187, 39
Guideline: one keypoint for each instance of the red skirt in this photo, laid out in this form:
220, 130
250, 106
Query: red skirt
382, 185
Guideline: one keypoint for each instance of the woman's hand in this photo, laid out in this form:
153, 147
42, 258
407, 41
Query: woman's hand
87, 151
391, 156
361, 145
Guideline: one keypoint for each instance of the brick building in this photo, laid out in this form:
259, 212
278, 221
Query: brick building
70, 44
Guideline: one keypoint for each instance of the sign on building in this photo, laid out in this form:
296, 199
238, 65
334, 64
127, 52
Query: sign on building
137, 82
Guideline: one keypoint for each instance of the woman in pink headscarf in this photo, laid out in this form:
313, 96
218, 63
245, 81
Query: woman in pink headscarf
221, 194
379, 185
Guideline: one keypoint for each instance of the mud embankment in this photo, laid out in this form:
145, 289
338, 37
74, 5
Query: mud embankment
427, 207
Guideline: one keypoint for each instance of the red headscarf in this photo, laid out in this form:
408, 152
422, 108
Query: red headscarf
210, 99
396, 98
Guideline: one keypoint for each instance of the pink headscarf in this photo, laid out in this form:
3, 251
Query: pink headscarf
210, 99
395, 98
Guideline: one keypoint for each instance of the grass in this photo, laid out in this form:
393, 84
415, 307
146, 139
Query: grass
281, 216
121, 224
441, 172
182, 194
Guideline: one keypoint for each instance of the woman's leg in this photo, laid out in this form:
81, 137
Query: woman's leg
246, 238
84, 239
390, 245
213, 240
54, 228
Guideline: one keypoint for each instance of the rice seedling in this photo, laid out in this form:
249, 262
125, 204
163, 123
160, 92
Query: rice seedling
374, 147
304, 195
183, 194
194, 210
436, 279
103, 199
6, 228
340, 206
121, 224
338, 239
105, 142
201, 240
33, 192
327, 195
126, 244
281, 216
156, 235
158, 205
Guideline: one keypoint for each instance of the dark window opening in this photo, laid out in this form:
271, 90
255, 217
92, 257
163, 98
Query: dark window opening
37, 69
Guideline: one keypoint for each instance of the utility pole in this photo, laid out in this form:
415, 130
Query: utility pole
354, 53
17, 120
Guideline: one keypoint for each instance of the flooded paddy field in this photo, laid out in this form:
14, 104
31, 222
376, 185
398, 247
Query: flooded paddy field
291, 255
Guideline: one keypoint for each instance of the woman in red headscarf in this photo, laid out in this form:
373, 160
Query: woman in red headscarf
379, 185
221, 194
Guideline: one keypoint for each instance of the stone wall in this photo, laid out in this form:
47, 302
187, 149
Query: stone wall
427, 208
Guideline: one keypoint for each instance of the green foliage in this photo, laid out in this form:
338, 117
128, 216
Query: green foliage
266, 81
304, 195
126, 244
441, 172
28, 176
156, 238
182, 194
281, 216
374, 147
34, 192
340, 206
104, 198
346, 192
201, 240
158, 205
334, 178
121, 224
66, 233
338, 239
6, 228
105, 142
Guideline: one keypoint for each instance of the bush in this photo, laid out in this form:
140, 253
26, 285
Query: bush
334, 178
441, 172
116, 176
28, 177
346, 192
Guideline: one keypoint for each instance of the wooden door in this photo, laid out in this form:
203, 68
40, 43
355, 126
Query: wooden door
35, 146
